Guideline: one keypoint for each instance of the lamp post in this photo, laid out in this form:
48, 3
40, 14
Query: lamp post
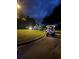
18, 10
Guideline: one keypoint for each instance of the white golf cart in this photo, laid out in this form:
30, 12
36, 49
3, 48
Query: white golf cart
50, 31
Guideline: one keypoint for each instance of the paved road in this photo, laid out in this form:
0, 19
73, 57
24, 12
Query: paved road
45, 48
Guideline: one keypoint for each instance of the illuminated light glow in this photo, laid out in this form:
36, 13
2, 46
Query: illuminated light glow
18, 6
30, 28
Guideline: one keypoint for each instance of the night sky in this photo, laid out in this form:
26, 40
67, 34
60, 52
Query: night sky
39, 9
54, 17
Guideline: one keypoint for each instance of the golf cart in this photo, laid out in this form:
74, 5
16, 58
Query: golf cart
50, 31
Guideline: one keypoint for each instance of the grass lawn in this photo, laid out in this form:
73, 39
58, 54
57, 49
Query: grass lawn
24, 35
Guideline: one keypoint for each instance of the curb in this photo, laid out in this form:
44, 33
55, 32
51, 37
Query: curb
30, 41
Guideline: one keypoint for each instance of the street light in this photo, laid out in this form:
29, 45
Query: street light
18, 6
30, 28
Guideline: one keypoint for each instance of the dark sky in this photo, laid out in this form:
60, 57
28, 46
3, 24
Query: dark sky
38, 9
54, 17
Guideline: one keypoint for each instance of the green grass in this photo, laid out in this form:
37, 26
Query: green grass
28, 35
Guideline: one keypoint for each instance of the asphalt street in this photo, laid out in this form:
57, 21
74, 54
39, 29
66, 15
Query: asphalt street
45, 48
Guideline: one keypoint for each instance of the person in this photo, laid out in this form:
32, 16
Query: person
48, 32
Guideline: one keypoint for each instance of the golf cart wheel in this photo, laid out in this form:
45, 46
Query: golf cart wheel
53, 35
47, 34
